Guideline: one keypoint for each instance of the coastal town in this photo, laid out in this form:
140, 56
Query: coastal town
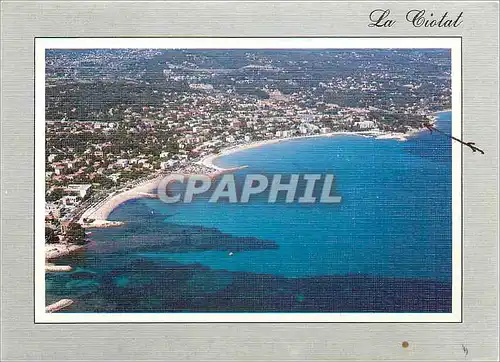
117, 120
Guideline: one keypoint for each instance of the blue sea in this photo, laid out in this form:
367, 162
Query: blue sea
385, 248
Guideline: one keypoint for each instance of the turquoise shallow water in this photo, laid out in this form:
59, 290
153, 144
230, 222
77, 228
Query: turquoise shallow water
385, 246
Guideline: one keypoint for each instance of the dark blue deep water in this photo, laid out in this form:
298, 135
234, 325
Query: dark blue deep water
385, 248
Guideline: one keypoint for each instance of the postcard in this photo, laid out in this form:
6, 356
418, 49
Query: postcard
251, 180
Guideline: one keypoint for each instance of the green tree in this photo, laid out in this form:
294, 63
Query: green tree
50, 235
75, 233
55, 195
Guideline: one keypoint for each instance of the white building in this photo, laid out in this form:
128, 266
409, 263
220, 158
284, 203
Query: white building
70, 200
81, 190
52, 208
59, 169
201, 86
114, 176
365, 124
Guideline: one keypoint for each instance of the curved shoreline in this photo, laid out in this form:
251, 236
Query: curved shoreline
208, 161
96, 216
443, 111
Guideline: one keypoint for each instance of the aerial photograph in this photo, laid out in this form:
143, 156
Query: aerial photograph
119, 122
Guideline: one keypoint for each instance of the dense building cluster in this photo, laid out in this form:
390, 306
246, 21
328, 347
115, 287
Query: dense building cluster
116, 116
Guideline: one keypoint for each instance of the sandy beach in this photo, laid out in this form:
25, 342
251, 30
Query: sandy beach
96, 215
444, 111
208, 161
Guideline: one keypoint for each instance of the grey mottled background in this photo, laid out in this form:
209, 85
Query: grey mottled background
23, 340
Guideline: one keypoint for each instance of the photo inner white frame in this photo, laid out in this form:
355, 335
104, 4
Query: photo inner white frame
452, 43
